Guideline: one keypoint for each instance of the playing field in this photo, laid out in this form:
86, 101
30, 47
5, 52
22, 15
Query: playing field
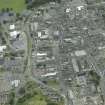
17, 5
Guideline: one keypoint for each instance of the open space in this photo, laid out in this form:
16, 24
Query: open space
17, 5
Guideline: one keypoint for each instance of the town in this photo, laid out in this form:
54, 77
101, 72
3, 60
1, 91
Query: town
52, 53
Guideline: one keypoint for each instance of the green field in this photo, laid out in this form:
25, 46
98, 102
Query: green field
54, 84
36, 100
32, 95
17, 5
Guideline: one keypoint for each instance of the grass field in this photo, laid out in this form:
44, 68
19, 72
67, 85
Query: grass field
17, 5
37, 100
54, 84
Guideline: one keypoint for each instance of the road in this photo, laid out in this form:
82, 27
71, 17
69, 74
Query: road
28, 74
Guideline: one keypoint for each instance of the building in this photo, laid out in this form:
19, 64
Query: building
2, 48
5, 87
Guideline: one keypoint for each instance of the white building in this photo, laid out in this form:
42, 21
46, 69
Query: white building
75, 66
2, 48
68, 10
14, 34
41, 54
12, 27
80, 8
80, 53
71, 94
15, 83
50, 74
39, 34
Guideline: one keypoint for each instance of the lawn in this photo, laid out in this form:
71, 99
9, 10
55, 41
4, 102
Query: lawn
17, 5
36, 100
54, 84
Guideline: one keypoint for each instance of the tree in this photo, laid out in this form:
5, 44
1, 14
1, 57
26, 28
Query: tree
95, 77
7, 9
11, 98
17, 15
26, 1
22, 90
51, 103
2, 10
4, 21
11, 9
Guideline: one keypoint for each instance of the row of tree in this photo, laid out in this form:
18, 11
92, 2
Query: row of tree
6, 10
36, 3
